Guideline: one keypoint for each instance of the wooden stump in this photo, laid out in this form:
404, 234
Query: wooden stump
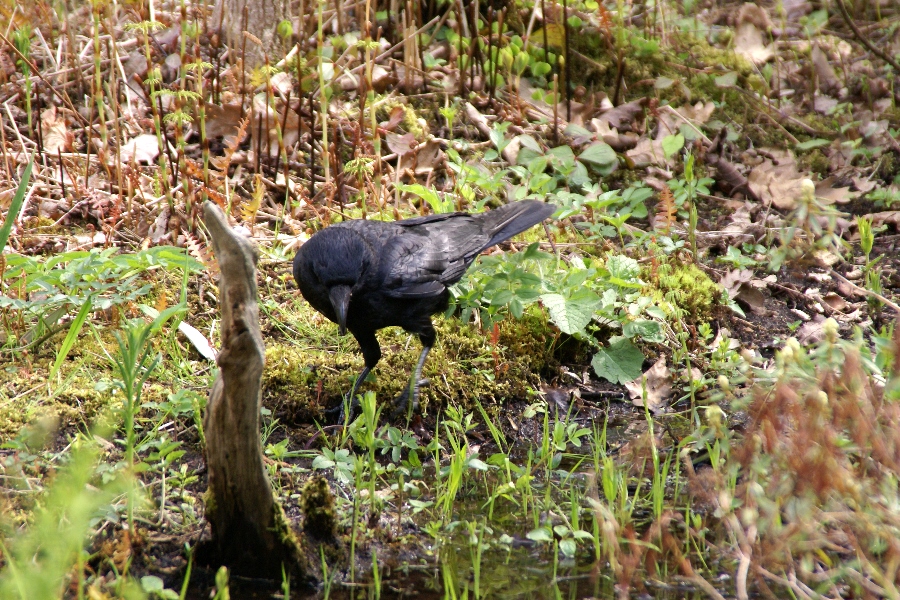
250, 534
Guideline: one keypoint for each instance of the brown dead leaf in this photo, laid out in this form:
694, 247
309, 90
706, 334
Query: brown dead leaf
832, 195
752, 23
888, 217
824, 104
777, 180
740, 288
812, 331
401, 144
729, 177
266, 122
397, 114
425, 158
825, 73
382, 78
649, 152
835, 302
621, 117
223, 121
118, 549
55, 132
143, 149
653, 387
620, 142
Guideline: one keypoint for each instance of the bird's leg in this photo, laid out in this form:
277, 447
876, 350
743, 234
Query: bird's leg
412, 390
368, 343
350, 401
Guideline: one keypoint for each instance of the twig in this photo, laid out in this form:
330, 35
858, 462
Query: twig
846, 281
51, 87
864, 40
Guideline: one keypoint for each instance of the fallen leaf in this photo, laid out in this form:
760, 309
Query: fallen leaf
777, 180
397, 114
650, 152
888, 217
223, 121
832, 195
143, 149
812, 331
834, 301
825, 73
752, 23
740, 288
622, 116
424, 159
653, 387
55, 132
198, 340
401, 144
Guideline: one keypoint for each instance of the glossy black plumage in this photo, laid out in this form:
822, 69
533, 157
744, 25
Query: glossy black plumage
367, 275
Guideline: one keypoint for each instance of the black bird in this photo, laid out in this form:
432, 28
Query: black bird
366, 275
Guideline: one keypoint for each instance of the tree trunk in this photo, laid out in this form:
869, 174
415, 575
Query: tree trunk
249, 531
263, 17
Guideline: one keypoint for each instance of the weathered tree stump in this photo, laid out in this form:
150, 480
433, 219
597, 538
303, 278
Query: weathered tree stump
250, 533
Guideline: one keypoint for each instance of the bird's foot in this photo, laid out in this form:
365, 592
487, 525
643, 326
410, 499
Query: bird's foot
402, 402
342, 408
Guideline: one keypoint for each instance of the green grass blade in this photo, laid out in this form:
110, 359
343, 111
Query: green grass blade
74, 329
16, 205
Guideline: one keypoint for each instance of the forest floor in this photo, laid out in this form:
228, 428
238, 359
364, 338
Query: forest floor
685, 384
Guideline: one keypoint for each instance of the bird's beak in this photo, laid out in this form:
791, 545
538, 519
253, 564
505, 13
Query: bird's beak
340, 301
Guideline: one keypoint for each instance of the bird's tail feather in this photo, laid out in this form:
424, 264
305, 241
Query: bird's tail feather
513, 218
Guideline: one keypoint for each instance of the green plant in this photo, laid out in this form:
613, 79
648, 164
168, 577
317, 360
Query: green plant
811, 228
456, 426
154, 81
43, 290
449, 112
563, 534
21, 39
339, 461
579, 295
14, 207
887, 197
40, 559
134, 364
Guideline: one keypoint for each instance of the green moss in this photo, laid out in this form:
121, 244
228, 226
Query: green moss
317, 504
814, 161
464, 365
686, 290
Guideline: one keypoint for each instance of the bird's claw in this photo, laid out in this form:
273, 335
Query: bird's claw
339, 408
402, 402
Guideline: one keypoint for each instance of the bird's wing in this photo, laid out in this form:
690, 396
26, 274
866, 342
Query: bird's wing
412, 265
429, 219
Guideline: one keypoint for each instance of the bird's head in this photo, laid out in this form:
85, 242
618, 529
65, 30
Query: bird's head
337, 259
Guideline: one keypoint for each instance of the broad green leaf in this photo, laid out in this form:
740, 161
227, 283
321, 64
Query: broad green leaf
623, 267
672, 144
572, 314
619, 362
810, 144
644, 328
526, 141
541, 534
568, 547
601, 156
